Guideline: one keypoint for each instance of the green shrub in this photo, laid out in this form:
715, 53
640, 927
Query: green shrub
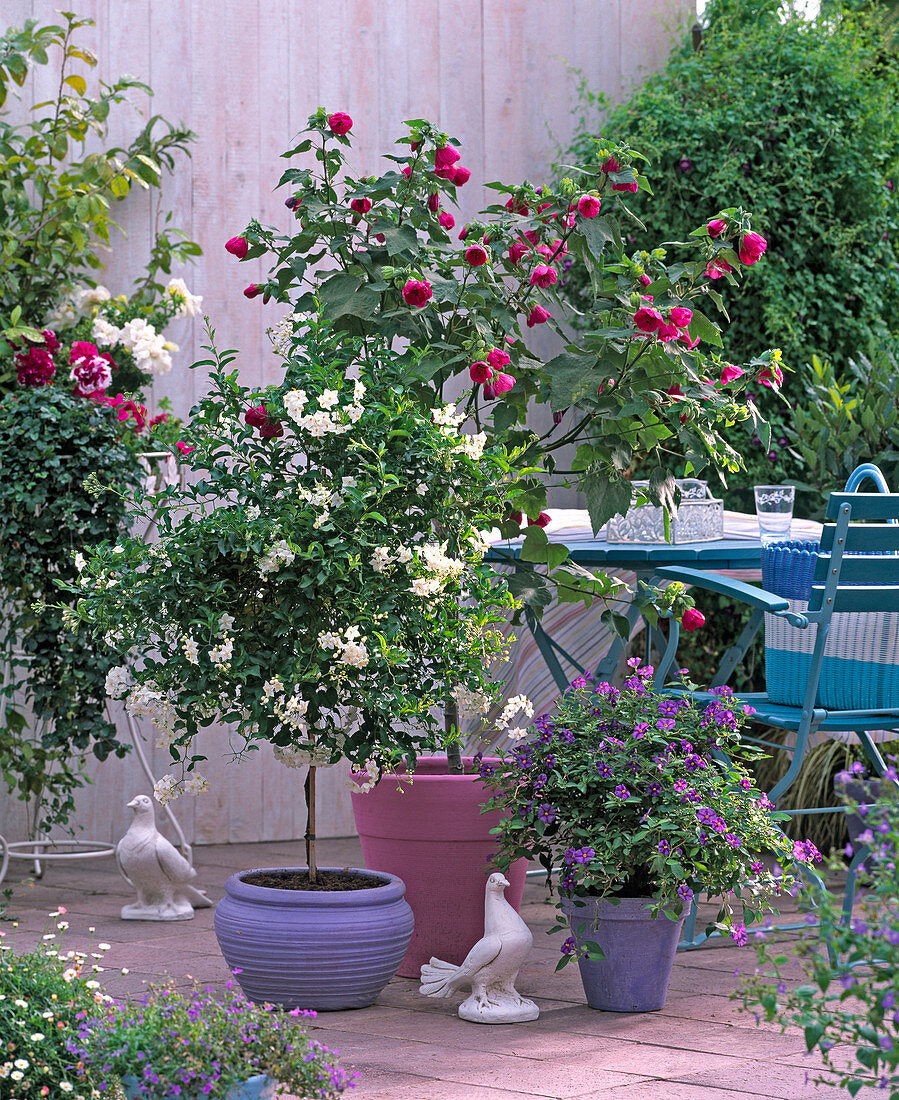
795, 121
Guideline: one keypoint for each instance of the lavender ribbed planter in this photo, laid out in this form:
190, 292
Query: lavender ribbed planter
639, 953
255, 1088
324, 950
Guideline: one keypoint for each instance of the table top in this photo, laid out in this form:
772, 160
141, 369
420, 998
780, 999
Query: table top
739, 549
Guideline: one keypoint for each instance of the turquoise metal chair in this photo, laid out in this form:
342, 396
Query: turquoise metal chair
857, 571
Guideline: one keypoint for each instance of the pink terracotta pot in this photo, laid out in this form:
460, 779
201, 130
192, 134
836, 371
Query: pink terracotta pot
433, 835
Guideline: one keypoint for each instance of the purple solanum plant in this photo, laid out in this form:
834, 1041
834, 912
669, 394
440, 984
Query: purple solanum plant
629, 793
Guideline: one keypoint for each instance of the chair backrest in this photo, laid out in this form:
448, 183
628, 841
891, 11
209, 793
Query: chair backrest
858, 563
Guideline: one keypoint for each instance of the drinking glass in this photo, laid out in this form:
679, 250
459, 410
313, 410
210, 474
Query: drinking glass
774, 508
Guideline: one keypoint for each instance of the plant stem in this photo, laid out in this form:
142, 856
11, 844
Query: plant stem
453, 748
310, 825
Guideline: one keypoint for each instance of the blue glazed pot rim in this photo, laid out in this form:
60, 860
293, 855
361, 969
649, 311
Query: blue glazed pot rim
392, 889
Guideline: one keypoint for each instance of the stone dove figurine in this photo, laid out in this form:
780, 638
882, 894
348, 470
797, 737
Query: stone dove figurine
156, 869
491, 966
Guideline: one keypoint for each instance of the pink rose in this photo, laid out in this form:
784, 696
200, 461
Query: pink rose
771, 376
183, 448
361, 206
517, 250
543, 520
543, 276
446, 220
644, 279
161, 418
730, 372
648, 319
588, 206
416, 293
433, 202
681, 316
238, 247
502, 383
538, 316
253, 290
461, 176
716, 227
480, 372
91, 372
630, 186
340, 123
751, 248
717, 268
692, 619
476, 255
611, 165
445, 157
497, 358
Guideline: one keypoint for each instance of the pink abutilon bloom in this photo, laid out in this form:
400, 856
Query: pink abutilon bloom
716, 227
340, 123
416, 293
461, 175
630, 185
434, 202
611, 165
730, 372
184, 448
476, 255
238, 247
681, 316
502, 383
541, 521
253, 290
445, 157
648, 319
489, 391
751, 248
717, 268
771, 376
543, 276
497, 358
407, 171
518, 249
480, 372
667, 332
538, 316
519, 207
644, 279
446, 220
361, 206
692, 619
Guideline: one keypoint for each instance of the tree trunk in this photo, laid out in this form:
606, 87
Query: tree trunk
453, 748
310, 825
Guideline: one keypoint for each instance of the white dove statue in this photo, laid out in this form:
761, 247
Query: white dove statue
156, 869
490, 967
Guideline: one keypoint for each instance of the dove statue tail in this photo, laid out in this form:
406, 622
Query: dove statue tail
437, 978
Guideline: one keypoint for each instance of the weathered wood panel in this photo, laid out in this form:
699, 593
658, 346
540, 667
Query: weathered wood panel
244, 74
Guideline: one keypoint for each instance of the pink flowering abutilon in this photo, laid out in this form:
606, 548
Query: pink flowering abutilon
361, 206
611, 165
446, 220
538, 316
340, 123
445, 157
752, 248
771, 376
681, 316
716, 227
543, 520
517, 250
502, 383
416, 293
497, 358
480, 372
461, 175
253, 290
715, 269
648, 319
730, 372
692, 619
434, 202
543, 276
476, 255
238, 246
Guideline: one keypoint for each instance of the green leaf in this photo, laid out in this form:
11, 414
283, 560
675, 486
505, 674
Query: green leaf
704, 329
345, 295
77, 82
598, 233
571, 377
606, 497
530, 588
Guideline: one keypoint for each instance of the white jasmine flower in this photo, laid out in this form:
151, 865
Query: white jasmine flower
294, 403
279, 554
425, 586
355, 654
190, 649
404, 555
474, 445
221, 655
225, 623
118, 681
252, 512
329, 640
328, 399
421, 488
358, 391
513, 706
380, 558
272, 687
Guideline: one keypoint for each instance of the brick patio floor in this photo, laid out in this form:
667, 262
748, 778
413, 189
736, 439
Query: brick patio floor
408, 1047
